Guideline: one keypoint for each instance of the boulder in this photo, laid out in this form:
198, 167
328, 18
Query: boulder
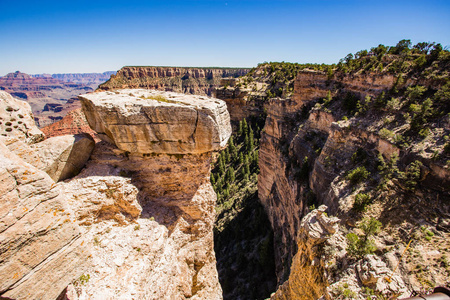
41, 249
16, 120
374, 273
148, 121
63, 157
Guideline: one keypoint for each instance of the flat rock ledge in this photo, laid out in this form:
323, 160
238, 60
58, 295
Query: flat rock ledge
150, 121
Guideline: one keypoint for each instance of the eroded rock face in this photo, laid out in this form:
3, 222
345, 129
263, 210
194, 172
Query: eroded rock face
198, 81
17, 121
306, 280
142, 121
73, 123
63, 157
41, 249
149, 213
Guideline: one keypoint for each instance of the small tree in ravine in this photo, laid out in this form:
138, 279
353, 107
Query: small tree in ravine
358, 246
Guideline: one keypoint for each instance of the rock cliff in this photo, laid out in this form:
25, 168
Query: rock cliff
198, 81
130, 225
162, 201
312, 143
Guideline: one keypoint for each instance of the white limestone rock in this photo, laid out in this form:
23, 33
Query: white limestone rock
149, 121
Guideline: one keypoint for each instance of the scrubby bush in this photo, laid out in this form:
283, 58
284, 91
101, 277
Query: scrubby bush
358, 246
358, 175
361, 202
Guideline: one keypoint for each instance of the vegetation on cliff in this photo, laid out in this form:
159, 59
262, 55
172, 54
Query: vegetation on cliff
369, 137
244, 253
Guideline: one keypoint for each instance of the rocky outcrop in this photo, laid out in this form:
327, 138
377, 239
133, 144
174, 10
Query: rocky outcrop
158, 122
16, 120
63, 157
131, 224
306, 280
198, 81
149, 215
41, 249
73, 123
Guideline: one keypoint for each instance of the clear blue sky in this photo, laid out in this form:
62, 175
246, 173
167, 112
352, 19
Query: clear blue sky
96, 36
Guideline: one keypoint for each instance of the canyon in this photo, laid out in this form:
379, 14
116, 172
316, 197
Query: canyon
344, 168
198, 81
51, 96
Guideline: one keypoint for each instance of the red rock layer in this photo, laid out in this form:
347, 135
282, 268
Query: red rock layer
74, 122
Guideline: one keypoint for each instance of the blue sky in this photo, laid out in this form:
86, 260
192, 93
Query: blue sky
96, 36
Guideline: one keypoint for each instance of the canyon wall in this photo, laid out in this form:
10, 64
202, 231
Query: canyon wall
50, 98
198, 81
308, 147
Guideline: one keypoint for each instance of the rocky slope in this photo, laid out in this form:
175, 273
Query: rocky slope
146, 217
198, 81
368, 145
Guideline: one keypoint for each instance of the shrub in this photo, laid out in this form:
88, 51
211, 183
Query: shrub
358, 246
385, 133
412, 175
358, 175
361, 201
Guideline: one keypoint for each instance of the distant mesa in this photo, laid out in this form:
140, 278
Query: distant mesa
187, 80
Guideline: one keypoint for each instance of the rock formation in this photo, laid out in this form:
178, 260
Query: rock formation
41, 246
48, 97
73, 123
306, 154
198, 81
130, 225
306, 280
158, 191
156, 122
16, 120
63, 157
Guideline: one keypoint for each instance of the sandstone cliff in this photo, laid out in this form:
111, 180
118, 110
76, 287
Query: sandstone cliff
162, 201
307, 154
198, 81
131, 224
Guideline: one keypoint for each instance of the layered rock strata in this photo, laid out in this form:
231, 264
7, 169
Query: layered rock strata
73, 123
48, 97
198, 81
142, 121
162, 202
306, 153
